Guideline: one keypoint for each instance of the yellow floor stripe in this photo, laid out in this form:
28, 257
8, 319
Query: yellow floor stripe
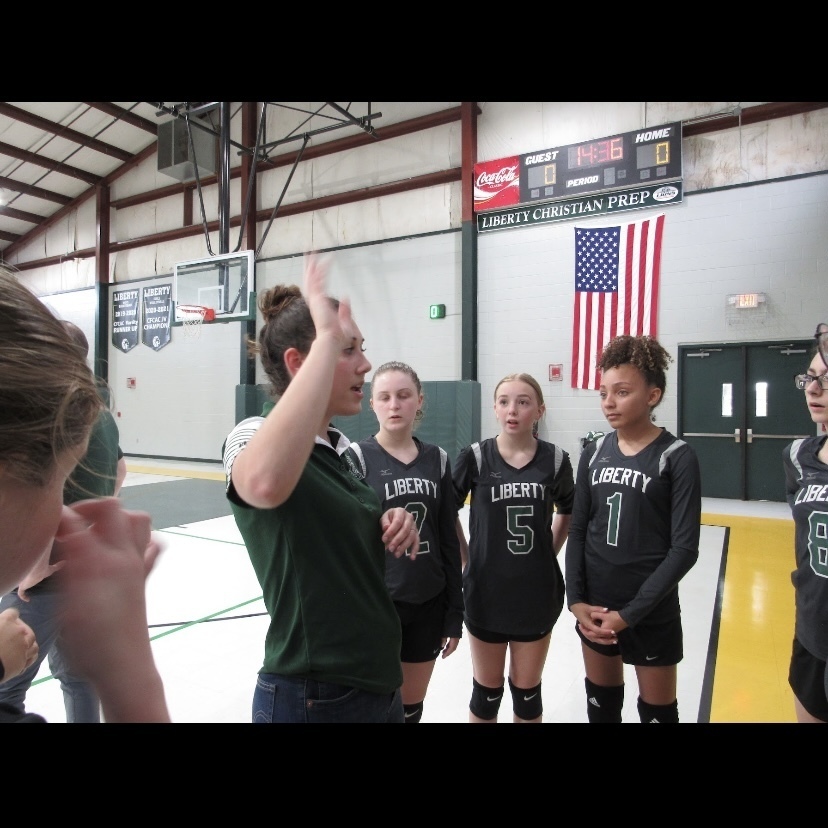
167, 472
757, 622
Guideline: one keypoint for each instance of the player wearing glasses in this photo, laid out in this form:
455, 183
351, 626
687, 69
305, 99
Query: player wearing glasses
806, 483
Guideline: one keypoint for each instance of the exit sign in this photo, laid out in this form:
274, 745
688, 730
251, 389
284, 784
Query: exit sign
436, 311
746, 300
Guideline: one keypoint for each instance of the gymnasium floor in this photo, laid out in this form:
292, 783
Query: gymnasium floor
208, 621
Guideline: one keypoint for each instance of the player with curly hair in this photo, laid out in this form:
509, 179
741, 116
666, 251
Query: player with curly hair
634, 535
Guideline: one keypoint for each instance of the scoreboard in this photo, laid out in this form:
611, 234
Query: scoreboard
645, 156
631, 159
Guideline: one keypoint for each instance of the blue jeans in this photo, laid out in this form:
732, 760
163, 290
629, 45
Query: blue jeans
41, 614
288, 699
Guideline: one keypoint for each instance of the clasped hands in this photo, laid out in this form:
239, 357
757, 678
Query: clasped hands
598, 624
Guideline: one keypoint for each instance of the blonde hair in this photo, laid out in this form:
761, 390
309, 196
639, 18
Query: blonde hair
528, 379
48, 397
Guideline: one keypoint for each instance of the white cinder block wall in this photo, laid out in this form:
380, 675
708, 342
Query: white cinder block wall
391, 287
183, 403
763, 228
770, 238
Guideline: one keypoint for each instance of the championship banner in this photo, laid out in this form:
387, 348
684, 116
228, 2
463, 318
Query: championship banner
157, 304
125, 319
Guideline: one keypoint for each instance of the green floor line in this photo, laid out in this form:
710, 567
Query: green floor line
205, 618
182, 534
177, 629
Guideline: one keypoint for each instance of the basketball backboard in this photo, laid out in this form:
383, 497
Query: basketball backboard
225, 283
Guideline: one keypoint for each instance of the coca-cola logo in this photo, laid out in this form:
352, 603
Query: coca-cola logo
505, 175
496, 183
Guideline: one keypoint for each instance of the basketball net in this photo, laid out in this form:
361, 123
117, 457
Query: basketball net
192, 317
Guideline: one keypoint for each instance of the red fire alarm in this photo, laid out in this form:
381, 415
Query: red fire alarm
130, 382
556, 372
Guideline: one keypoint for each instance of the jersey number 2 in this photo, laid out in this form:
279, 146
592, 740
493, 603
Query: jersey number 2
419, 510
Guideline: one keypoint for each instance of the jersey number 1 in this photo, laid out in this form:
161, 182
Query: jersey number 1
614, 503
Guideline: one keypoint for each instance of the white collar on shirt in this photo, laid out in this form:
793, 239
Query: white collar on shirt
342, 442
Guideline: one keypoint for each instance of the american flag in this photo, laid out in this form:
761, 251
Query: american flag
616, 290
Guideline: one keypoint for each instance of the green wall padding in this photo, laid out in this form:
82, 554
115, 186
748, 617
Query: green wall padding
452, 413
452, 416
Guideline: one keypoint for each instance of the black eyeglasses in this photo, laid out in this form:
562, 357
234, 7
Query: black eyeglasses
802, 381
821, 337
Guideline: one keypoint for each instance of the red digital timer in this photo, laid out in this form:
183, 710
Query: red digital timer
595, 154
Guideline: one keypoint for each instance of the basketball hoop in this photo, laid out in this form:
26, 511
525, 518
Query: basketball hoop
192, 317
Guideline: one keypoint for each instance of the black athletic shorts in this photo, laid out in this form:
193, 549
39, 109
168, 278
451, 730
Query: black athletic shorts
655, 645
422, 629
809, 681
502, 638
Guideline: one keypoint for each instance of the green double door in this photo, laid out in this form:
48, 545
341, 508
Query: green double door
738, 408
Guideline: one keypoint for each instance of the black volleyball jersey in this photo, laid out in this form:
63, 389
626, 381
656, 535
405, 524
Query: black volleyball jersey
424, 488
635, 528
806, 487
513, 582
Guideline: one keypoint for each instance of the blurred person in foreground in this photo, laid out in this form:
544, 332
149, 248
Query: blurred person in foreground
100, 473
101, 552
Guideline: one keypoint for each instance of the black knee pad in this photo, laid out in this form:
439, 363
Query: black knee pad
527, 704
485, 701
604, 703
413, 713
658, 713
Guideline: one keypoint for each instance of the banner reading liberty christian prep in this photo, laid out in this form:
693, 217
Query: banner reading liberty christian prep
125, 319
617, 272
157, 305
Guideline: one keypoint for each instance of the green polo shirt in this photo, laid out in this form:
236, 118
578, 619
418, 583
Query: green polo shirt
320, 561
95, 474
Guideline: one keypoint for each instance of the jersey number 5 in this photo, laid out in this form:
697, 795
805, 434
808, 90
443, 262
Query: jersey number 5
518, 517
